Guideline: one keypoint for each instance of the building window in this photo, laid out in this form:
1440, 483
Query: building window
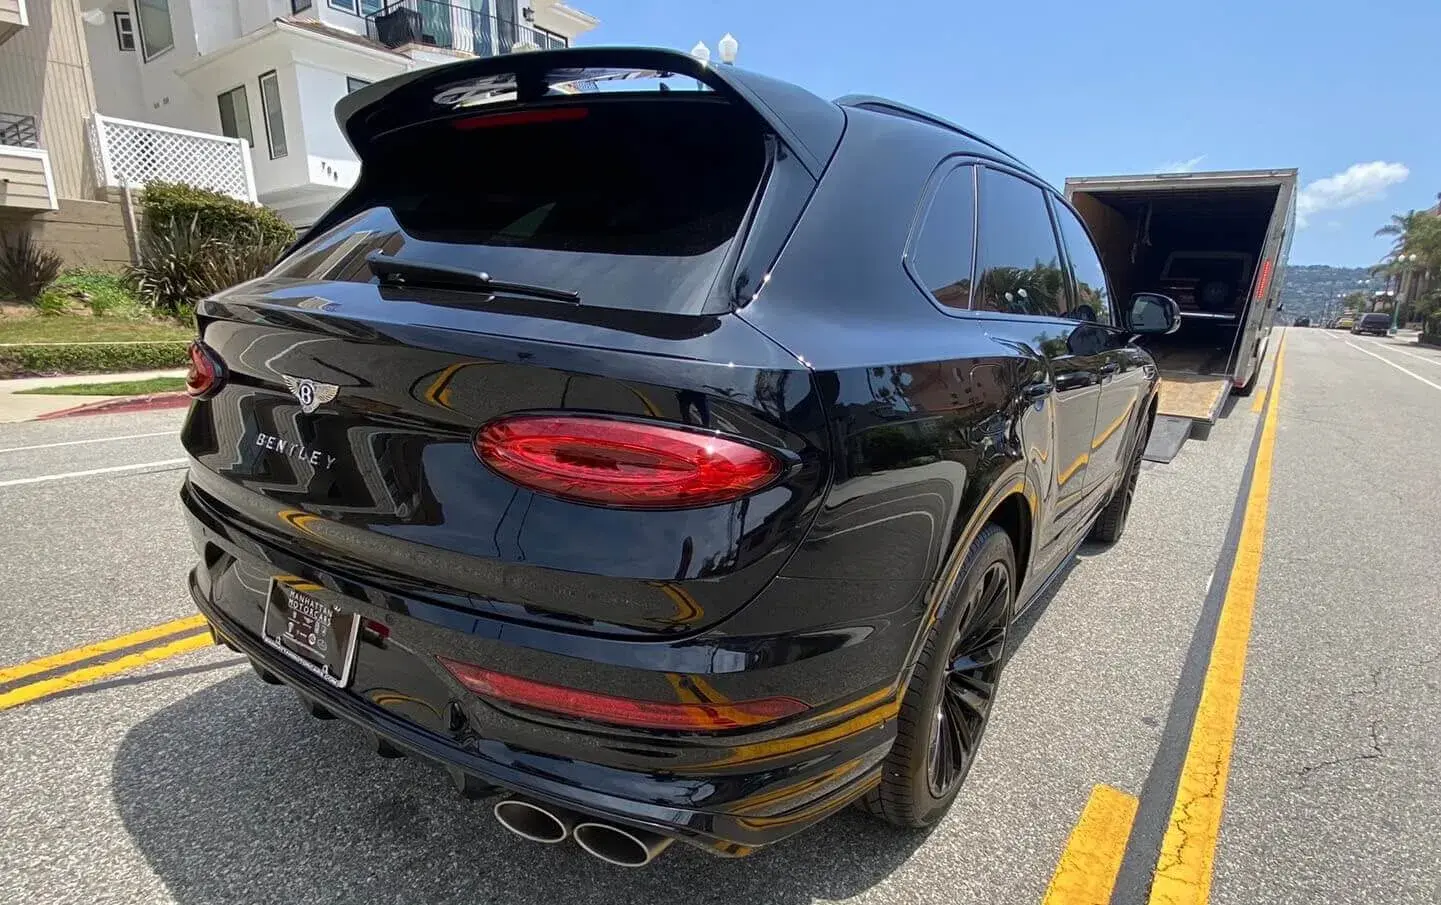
124, 31
353, 84
235, 115
156, 33
357, 7
270, 111
299, 6
549, 40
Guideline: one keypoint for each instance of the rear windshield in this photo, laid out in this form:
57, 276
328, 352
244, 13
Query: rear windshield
1372, 319
630, 203
1205, 269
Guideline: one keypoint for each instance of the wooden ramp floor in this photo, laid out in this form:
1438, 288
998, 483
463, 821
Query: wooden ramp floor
1197, 396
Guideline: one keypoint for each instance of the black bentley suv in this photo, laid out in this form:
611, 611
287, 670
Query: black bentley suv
662, 449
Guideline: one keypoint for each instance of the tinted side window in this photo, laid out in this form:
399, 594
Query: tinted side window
941, 254
1093, 299
1020, 267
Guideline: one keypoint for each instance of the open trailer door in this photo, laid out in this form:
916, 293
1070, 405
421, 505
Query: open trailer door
1216, 243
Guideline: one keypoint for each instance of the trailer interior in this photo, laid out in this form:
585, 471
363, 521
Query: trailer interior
1202, 247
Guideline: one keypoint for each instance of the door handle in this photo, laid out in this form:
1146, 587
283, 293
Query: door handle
1075, 380
1110, 368
1037, 390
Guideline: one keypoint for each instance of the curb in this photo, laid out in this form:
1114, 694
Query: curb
153, 402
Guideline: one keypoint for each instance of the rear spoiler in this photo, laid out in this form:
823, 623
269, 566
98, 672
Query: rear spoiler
808, 125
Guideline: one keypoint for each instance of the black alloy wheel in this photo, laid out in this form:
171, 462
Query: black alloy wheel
1111, 523
972, 670
952, 689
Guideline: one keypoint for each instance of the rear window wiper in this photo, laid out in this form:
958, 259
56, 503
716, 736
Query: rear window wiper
396, 272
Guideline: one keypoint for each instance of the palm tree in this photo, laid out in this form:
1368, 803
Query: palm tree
1401, 226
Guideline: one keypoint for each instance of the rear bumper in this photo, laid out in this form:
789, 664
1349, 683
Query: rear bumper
728, 792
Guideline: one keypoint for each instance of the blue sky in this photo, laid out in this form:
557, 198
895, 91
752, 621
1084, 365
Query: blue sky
1348, 92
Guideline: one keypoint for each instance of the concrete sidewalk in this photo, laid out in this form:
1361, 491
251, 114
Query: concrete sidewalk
24, 408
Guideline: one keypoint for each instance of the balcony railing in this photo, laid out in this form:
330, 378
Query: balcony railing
134, 153
19, 130
437, 24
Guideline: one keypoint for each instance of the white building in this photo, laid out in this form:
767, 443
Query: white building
270, 71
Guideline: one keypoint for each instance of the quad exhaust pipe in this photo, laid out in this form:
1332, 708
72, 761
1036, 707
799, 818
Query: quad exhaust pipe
611, 843
620, 845
534, 821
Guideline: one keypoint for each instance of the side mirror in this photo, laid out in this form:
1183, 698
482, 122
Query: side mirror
1153, 313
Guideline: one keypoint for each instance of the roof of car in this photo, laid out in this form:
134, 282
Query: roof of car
896, 108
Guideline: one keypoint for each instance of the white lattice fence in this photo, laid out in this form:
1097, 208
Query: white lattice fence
136, 153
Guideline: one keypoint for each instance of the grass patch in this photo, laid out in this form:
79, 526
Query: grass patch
115, 388
76, 329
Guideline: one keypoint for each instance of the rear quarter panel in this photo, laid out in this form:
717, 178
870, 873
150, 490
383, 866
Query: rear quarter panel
924, 408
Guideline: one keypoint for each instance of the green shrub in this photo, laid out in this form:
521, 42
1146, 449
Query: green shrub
90, 358
53, 304
180, 264
105, 294
216, 216
26, 268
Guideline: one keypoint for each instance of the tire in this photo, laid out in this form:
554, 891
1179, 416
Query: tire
1111, 523
945, 710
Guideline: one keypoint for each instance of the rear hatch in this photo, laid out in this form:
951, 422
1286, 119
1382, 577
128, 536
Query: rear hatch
549, 247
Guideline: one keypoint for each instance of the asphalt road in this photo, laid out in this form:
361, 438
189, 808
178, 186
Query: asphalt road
188, 781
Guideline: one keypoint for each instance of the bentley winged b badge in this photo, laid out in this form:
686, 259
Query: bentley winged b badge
311, 393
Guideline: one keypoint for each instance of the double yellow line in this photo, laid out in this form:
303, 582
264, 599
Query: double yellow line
1086, 873
178, 637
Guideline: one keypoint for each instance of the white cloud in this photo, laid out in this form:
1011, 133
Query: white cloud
1181, 166
1358, 183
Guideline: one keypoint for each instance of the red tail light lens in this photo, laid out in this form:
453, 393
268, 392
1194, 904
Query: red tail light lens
203, 378
619, 711
1263, 282
625, 464
520, 118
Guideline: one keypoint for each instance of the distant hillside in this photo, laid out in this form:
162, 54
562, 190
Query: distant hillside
1311, 288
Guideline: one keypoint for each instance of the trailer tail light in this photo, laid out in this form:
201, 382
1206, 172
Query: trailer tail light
204, 377
1263, 282
623, 464
605, 708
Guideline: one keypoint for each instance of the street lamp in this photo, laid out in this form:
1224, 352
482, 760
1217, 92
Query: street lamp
701, 52
728, 47
1405, 262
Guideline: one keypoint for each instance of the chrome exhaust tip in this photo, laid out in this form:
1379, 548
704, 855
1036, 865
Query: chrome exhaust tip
533, 821
619, 845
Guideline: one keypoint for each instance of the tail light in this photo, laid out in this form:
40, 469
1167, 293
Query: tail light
205, 373
604, 708
624, 464
1263, 282
520, 118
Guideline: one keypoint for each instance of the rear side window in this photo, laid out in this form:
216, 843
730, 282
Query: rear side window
630, 203
941, 255
1019, 265
1093, 298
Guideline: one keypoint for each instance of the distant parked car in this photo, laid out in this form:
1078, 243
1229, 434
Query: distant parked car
1302, 322
1374, 323
1345, 322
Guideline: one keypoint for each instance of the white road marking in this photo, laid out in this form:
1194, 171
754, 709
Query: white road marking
1381, 345
113, 469
82, 442
1393, 364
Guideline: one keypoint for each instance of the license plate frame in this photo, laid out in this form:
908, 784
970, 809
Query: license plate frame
316, 635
